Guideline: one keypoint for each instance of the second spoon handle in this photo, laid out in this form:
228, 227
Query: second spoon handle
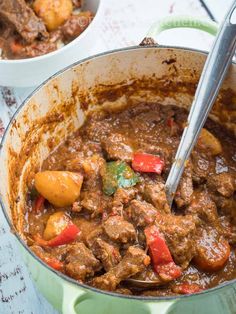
214, 72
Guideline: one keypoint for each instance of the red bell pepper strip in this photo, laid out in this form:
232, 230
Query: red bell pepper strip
162, 260
52, 262
187, 288
147, 163
38, 204
169, 271
68, 235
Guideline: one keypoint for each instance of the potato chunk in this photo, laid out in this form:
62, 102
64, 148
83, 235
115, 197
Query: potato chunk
53, 12
56, 223
60, 188
209, 142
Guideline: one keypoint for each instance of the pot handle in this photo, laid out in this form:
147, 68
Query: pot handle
160, 307
179, 21
72, 296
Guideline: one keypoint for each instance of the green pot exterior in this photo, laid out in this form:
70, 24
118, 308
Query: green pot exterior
69, 298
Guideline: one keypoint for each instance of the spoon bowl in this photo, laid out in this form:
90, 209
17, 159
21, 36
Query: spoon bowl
143, 284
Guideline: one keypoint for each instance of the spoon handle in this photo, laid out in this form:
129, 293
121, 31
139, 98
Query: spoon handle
214, 72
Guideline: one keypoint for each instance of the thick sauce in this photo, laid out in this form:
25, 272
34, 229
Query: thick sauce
125, 227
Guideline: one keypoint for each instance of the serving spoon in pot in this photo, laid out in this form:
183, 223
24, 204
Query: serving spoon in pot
212, 77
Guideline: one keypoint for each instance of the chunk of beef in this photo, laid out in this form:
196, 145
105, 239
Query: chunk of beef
76, 207
226, 206
201, 167
146, 120
93, 235
203, 207
96, 128
122, 197
119, 230
134, 261
76, 24
86, 226
179, 232
155, 194
223, 183
108, 254
18, 15
185, 190
80, 262
117, 147
77, 154
228, 229
94, 202
142, 213
17, 50
92, 167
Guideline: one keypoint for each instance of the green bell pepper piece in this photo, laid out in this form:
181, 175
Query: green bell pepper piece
118, 174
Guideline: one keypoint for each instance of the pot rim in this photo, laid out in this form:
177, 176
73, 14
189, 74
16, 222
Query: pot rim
18, 237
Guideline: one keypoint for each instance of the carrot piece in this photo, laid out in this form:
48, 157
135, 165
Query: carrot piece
212, 258
146, 261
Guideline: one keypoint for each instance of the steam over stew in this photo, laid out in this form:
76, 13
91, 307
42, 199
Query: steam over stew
97, 210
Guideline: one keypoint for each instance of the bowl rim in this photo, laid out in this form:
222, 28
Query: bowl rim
62, 49
26, 247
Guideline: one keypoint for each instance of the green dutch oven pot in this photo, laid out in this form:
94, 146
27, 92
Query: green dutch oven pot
55, 110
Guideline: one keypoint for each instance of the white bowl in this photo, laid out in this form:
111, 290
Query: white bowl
33, 71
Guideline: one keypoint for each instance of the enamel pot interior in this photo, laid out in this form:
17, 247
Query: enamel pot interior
59, 107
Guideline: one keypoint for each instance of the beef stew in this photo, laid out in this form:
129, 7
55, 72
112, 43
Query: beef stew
97, 210
33, 28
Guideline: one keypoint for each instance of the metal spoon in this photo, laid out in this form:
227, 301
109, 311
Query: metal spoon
214, 72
